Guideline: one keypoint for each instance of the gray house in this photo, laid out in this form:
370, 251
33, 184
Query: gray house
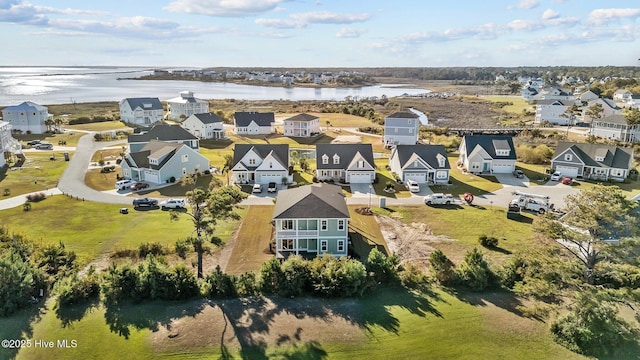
160, 162
168, 133
311, 220
348, 163
421, 163
616, 127
592, 161
488, 154
401, 128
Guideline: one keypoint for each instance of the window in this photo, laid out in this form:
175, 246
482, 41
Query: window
336, 159
340, 245
325, 159
415, 163
153, 161
568, 157
270, 165
441, 161
340, 224
287, 244
185, 157
410, 130
287, 224
252, 161
617, 172
361, 163
441, 175
184, 171
409, 121
323, 246
323, 225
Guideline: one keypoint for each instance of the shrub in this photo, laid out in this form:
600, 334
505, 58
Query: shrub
474, 272
333, 277
220, 285
182, 247
247, 285
6, 192
413, 278
35, 197
384, 269
442, 267
295, 278
488, 241
26, 206
151, 249
270, 275
73, 290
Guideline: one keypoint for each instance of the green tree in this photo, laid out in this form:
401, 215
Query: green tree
442, 267
571, 113
474, 271
632, 115
594, 112
17, 281
384, 269
593, 216
514, 87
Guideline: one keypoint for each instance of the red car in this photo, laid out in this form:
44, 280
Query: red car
567, 180
139, 186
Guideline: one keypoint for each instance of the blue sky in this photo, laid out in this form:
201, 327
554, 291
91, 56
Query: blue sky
320, 33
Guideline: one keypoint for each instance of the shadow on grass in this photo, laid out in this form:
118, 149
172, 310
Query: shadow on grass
73, 313
503, 299
20, 326
498, 249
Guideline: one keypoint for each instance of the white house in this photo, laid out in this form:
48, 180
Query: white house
633, 101
487, 154
260, 163
346, 163
555, 93
254, 123
302, 125
553, 112
205, 126
8, 145
27, 117
592, 161
401, 128
162, 132
421, 163
616, 127
141, 111
185, 105
622, 95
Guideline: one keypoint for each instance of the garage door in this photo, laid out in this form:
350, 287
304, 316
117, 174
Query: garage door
152, 177
500, 168
567, 170
267, 178
418, 177
360, 178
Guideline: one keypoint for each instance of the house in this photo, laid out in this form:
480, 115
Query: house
529, 93
633, 101
609, 107
162, 132
311, 220
141, 111
254, 123
346, 163
401, 128
586, 96
592, 161
622, 95
8, 145
553, 112
555, 93
302, 125
487, 154
260, 164
421, 163
185, 105
616, 127
205, 126
160, 162
27, 117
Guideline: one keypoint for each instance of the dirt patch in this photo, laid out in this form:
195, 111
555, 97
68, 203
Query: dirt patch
347, 139
412, 243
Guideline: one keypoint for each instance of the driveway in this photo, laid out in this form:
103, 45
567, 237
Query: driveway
362, 190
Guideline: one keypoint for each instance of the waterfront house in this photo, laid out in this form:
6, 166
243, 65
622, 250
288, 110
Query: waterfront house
254, 123
141, 111
616, 127
27, 117
185, 105
401, 128
302, 125
205, 126
162, 132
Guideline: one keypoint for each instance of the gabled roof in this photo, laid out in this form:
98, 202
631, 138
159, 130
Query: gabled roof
302, 117
428, 153
208, 118
346, 152
550, 102
164, 133
403, 115
622, 91
489, 143
26, 106
316, 201
154, 149
279, 151
614, 119
243, 119
144, 103
615, 156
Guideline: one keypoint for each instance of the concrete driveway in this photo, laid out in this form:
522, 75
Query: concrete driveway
362, 190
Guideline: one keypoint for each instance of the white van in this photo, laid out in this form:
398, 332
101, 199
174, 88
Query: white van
124, 184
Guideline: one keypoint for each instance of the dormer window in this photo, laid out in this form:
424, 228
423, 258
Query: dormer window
599, 158
252, 161
568, 157
441, 161
270, 164
336, 159
360, 163
153, 161
502, 152
325, 159
415, 163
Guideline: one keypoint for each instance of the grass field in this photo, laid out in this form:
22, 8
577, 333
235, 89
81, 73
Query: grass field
252, 243
462, 183
37, 173
518, 104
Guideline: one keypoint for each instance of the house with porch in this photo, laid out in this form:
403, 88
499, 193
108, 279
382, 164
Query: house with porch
260, 164
345, 163
160, 162
162, 132
483, 154
622, 95
185, 105
401, 128
141, 111
616, 127
27, 117
254, 123
8, 145
302, 125
592, 161
421, 163
311, 220
205, 126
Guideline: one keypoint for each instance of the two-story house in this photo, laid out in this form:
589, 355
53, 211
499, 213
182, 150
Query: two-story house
141, 111
616, 127
592, 161
254, 123
8, 145
346, 163
205, 126
487, 154
260, 163
162, 132
622, 95
185, 105
553, 112
27, 117
401, 128
421, 163
311, 220
302, 125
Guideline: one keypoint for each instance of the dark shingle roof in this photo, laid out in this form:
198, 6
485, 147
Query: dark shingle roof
403, 115
316, 201
144, 103
208, 118
487, 143
280, 152
164, 133
346, 152
616, 157
614, 119
243, 119
302, 117
428, 153
154, 149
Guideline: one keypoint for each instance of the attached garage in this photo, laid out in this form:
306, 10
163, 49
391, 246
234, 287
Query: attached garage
417, 177
267, 178
502, 167
360, 178
567, 170
152, 177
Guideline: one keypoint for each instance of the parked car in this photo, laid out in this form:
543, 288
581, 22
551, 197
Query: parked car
145, 202
439, 199
556, 176
33, 142
413, 186
172, 204
139, 186
44, 146
257, 188
272, 187
567, 180
124, 184
518, 173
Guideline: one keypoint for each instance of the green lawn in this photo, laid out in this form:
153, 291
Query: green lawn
518, 103
37, 173
536, 173
462, 183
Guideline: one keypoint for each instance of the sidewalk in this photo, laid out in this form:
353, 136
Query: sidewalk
15, 201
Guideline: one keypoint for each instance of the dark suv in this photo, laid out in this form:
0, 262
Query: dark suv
272, 187
145, 202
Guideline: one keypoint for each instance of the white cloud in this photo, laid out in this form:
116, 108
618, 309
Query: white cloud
326, 17
525, 4
279, 24
231, 8
350, 33
603, 16
550, 14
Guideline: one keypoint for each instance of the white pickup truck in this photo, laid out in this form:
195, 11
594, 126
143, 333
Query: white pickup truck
439, 199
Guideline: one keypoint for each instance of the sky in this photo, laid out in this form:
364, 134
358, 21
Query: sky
319, 33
